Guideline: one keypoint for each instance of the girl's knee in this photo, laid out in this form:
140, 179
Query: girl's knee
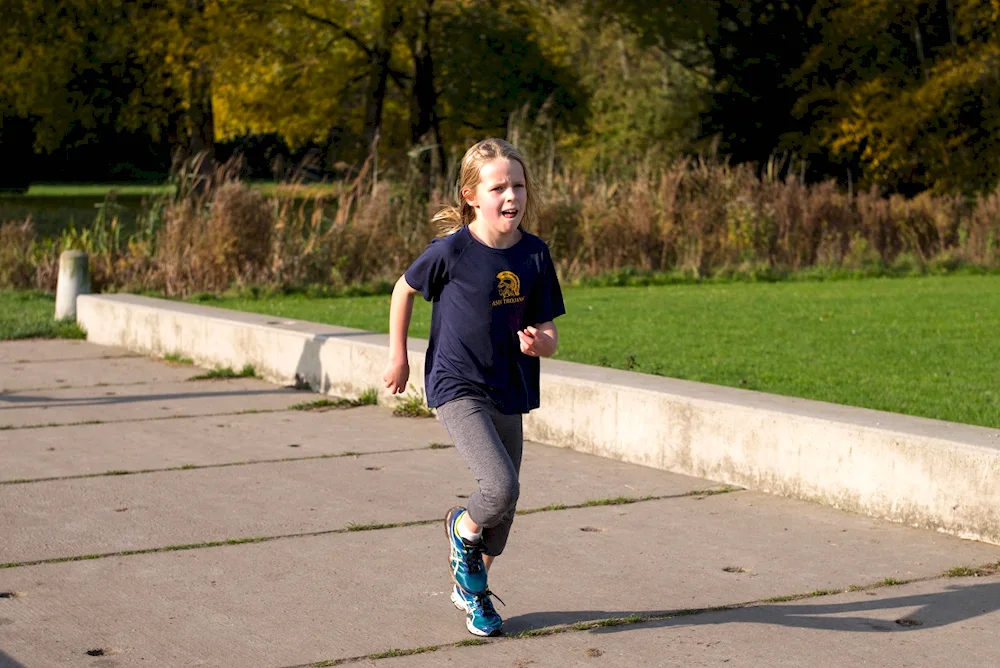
502, 498
509, 498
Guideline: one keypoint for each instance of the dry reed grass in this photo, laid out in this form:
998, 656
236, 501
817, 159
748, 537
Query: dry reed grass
702, 217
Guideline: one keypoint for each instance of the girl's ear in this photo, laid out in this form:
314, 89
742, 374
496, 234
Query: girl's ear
470, 198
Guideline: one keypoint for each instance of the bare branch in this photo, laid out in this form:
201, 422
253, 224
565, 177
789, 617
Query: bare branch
398, 78
304, 13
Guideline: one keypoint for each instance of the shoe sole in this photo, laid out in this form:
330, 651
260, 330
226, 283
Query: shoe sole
447, 534
460, 604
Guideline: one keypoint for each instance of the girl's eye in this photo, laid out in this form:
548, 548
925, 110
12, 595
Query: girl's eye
497, 189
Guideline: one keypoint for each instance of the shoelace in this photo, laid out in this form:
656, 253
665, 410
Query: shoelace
484, 602
471, 554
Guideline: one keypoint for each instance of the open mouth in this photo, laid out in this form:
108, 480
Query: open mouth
509, 213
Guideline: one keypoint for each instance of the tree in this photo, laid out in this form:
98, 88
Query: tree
316, 71
493, 65
79, 64
730, 61
644, 89
56, 63
348, 73
756, 46
911, 88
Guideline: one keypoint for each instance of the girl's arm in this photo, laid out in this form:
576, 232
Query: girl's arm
397, 371
542, 340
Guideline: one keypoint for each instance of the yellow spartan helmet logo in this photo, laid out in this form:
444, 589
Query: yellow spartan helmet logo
510, 285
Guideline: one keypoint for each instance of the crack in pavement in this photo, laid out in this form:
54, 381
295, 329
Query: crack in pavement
352, 527
82, 423
71, 359
76, 387
198, 467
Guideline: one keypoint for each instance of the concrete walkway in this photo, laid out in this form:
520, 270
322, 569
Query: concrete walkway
152, 520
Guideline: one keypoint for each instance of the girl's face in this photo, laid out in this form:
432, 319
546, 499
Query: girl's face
500, 196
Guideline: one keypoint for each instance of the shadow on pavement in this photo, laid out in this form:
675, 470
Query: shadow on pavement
956, 604
7, 662
35, 401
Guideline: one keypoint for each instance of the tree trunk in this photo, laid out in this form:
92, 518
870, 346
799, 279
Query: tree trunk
423, 101
200, 118
376, 95
381, 54
197, 122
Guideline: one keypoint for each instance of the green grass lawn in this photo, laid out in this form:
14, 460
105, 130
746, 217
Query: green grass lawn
99, 190
24, 315
96, 190
54, 206
921, 346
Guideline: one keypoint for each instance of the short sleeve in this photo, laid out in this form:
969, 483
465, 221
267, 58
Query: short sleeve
429, 272
547, 299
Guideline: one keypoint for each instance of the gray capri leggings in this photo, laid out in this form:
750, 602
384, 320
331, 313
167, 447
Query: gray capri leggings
491, 444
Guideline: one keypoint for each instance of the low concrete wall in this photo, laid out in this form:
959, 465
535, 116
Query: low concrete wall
925, 473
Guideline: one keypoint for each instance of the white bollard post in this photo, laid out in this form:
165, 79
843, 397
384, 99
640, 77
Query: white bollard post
74, 279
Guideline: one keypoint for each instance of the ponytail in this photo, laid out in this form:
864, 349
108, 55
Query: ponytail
451, 219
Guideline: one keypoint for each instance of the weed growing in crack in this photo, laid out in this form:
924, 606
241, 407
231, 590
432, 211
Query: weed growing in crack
550, 507
223, 373
621, 621
969, 572
616, 501
412, 405
323, 404
538, 633
391, 653
472, 642
369, 397
822, 592
715, 491
177, 358
373, 526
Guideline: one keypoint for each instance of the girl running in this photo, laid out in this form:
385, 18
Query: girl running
495, 296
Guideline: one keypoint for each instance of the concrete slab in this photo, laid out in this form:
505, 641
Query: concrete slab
117, 513
207, 440
938, 475
19, 377
55, 350
666, 555
300, 600
304, 598
944, 623
143, 402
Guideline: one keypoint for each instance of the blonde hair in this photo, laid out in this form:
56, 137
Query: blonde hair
453, 218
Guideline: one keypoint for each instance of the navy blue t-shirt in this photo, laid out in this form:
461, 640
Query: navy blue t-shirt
482, 296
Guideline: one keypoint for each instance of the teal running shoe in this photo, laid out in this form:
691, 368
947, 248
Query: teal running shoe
466, 559
481, 617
